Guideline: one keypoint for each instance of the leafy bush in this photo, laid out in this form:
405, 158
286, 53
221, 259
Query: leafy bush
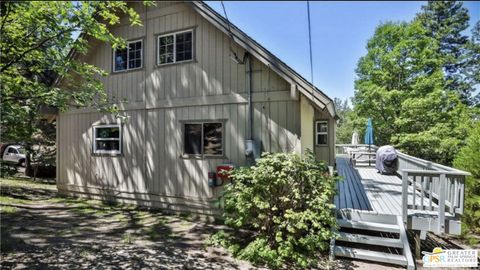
469, 159
7, 169
287, 201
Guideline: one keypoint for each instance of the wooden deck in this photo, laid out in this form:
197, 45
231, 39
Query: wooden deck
375, 211
364, 189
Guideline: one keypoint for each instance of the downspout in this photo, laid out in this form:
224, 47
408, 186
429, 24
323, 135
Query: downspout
249, 93
249, 143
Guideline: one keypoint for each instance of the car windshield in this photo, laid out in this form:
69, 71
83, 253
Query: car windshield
21, 150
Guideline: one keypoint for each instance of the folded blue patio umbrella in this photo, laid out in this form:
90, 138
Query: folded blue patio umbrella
369, 136
369, 132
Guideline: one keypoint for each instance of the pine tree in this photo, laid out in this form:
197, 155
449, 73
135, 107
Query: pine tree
445, 21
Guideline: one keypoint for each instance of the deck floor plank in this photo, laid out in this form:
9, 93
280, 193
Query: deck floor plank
363, 188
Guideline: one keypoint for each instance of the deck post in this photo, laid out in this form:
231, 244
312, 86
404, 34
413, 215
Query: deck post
405, 197
441, 204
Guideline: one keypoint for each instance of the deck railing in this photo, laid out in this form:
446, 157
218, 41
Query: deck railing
433, 193
429, 189
341, 149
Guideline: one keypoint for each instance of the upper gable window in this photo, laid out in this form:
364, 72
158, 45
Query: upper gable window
129, 57
175, 47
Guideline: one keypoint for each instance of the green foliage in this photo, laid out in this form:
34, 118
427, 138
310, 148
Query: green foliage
446, 21
39, 46
347, 123
288, 202
404, 85
469, 159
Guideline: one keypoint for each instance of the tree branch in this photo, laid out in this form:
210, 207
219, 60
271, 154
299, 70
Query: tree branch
9, 64
4, 18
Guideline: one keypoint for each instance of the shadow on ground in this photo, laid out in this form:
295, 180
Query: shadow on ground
43, 231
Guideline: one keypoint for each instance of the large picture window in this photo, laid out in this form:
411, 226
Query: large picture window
321, 132
203, 139
175, 47
130, 57
107, 139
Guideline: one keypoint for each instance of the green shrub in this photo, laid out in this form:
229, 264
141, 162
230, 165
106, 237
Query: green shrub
469, 159
287, 202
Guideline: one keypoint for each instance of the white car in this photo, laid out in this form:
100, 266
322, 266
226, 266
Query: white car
15, 154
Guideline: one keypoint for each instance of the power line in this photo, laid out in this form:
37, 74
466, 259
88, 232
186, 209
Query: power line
310, 41
226, 17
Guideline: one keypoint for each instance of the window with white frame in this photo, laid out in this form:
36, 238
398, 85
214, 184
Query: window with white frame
130, 57
107, 139
175, 47
321, 132
203, 138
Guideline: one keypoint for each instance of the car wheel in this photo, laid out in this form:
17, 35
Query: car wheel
22, 163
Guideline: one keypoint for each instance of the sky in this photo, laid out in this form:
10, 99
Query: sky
340, 31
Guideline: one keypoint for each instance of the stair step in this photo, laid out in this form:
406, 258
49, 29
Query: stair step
375, 256
366, 215
364, 225
370, 240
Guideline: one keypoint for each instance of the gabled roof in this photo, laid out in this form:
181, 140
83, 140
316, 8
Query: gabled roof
316, 96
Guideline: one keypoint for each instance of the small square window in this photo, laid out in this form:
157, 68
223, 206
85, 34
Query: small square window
107, 139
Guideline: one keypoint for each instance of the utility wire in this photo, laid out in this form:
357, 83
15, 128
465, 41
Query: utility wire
229, 32
310, 42
226, 17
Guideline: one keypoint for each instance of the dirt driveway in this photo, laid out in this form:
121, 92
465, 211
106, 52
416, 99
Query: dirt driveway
40, 230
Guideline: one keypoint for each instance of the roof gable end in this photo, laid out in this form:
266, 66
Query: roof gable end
318, 98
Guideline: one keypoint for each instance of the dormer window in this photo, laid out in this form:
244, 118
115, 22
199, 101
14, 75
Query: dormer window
175, 47
128, 58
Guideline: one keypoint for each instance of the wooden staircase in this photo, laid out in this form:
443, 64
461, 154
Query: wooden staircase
374, 237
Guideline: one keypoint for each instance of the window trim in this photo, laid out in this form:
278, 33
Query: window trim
202, 155
317, 132
174, 34
107, 152
128, 56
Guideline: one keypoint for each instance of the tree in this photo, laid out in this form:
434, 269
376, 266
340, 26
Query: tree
346, 123
445, 21
401, 85
469, 159
472, 66
39, 46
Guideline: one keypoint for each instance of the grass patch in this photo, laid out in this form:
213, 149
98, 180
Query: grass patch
21, 182
7, 209
11, 200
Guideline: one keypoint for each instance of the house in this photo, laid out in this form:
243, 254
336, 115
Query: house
195, 93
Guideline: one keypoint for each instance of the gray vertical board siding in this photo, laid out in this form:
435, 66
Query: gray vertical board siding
152, 142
